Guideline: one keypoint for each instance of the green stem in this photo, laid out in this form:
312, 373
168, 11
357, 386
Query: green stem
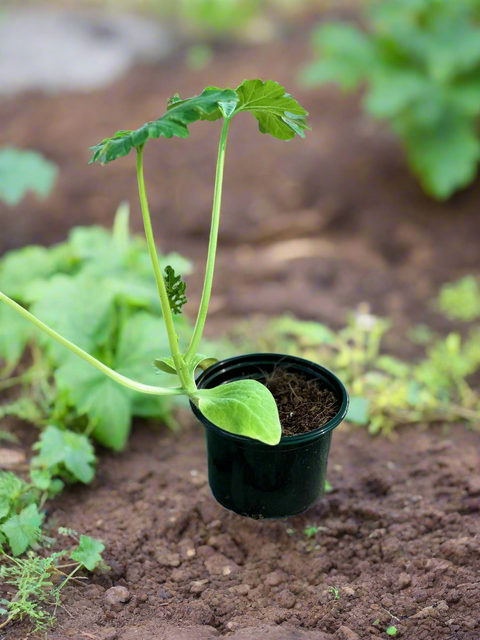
182, 372
118, 377
212, 247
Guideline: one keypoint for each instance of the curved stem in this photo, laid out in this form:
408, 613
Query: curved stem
162, 291
212, 247
117, 377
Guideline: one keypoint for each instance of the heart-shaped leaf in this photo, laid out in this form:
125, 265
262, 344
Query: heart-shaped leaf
245, 408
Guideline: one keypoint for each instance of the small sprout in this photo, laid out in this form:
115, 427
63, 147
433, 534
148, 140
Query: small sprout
334, 590
392, 631
377, 621
328, 487
311, 531
290, 532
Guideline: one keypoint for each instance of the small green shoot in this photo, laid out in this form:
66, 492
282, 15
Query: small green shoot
107, 389
391, 631
311, 531
377, 622
336, 595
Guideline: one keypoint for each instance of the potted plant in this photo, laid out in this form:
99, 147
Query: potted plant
254, 469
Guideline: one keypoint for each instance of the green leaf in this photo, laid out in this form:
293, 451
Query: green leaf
106, 403
23, 530
175, 290
11, 489
202, 361
19, 267
167, 364
444, 158
392, 631
346, 57
88, 553
276, 111
57, 447
22, 171
245, 408
392, 93
358, 410
77, 307
180, 113
15, 334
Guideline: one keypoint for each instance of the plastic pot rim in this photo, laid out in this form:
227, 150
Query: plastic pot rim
304, 438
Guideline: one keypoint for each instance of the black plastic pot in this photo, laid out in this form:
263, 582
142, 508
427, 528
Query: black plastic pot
259, 480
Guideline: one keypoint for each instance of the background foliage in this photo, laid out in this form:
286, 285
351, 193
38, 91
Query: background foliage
419, 61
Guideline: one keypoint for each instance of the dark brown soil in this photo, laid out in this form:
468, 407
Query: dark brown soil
399, 538
303, 404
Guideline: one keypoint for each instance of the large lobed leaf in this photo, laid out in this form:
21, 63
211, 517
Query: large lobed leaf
180, 113
276, 111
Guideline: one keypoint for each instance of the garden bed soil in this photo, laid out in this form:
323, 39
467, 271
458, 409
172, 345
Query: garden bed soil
399, 537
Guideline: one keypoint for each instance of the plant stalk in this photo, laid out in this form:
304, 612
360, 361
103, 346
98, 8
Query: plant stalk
212, 246
114, 375
182, 372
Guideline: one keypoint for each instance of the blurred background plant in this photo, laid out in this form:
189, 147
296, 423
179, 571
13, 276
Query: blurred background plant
419, 62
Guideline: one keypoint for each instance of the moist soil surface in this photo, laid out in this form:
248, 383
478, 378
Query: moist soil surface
303, 404
315, 227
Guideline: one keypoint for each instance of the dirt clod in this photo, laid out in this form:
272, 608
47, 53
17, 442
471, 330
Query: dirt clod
117, 595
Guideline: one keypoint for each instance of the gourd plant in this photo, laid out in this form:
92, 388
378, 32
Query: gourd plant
243, 407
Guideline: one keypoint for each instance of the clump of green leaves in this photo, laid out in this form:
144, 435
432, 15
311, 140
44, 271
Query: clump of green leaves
420, 63
104, 313
22, 171
97, 289
460, 300
38, 581
385, 391
20, 518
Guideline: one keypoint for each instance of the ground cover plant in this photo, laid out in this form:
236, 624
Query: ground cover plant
387, 391
419, 61
245, 407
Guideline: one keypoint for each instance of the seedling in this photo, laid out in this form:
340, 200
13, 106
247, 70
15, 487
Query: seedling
334, 590
392, 631
243, 407
311, 531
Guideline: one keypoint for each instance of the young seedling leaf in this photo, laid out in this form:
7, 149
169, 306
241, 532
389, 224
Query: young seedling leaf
88, 553
175, 290
277, 112
165, 365
23, 530
392, 631
203, 362
245, 408
67, 448
180, 113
